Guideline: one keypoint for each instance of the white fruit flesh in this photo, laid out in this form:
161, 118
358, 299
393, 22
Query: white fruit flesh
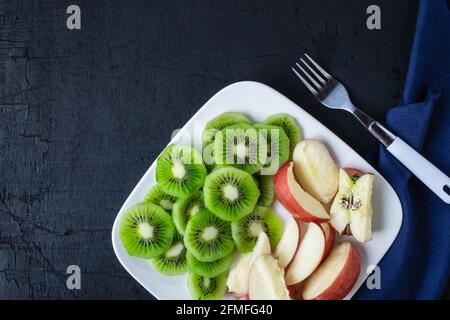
353, 206
288, 244
308, 256
237, 280
230, 192
166, 204
175, 250
145, 230
241, 150
316, 170
339, 219
266, 281
209, 233
308, 203
255, 228
339, 215
240, 270
194, 210
361, 218
178, 170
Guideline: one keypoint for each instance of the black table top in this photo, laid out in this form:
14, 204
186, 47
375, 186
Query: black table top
83, 113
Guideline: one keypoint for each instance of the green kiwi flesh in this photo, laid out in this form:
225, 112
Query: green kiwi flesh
230, 193
223, 120
207, 288
185, 208
290, 127
266, 190
208, 269
245, 231
237, 146
173, 261
146, 230
157, 196
208, 237
180, 170
273, 146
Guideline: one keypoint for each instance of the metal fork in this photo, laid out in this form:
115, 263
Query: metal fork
332, 94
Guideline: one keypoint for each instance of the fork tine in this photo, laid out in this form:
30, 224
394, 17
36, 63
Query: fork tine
306, 83
326, 74
313, 72
318, 86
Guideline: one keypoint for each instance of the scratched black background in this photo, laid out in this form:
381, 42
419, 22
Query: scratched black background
84, 113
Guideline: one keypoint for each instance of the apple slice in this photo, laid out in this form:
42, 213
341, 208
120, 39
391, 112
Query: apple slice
266, 281
296, 200
336, 276
308, 256
351, 211
237, 281
330, 238
315, 170
361, 217
288, 244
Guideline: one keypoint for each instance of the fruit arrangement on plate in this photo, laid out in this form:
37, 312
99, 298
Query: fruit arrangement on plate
210, 214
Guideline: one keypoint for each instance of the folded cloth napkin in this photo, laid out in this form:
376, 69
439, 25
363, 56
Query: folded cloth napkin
417, 266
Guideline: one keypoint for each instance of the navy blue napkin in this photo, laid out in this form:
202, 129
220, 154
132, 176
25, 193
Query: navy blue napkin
418, 264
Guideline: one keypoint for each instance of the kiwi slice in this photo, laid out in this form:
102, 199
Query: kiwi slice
157, 196
273, 147
208, 237
230, 193
208, 157
237, 146
185, 208
245, 231
290, 127
207, 288
210, 167
266, 190
146, 230
208, 269
221, 121
173, 261
180, 170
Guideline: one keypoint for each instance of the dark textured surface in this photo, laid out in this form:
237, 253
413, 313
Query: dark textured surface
84, 113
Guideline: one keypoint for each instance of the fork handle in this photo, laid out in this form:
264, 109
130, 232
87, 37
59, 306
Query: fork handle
375, 128
430, 175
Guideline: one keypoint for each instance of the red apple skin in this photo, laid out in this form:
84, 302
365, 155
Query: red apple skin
346, 278
330, 239
353, 172
293, 292
286, 198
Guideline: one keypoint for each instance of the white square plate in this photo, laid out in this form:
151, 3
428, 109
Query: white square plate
259, 101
